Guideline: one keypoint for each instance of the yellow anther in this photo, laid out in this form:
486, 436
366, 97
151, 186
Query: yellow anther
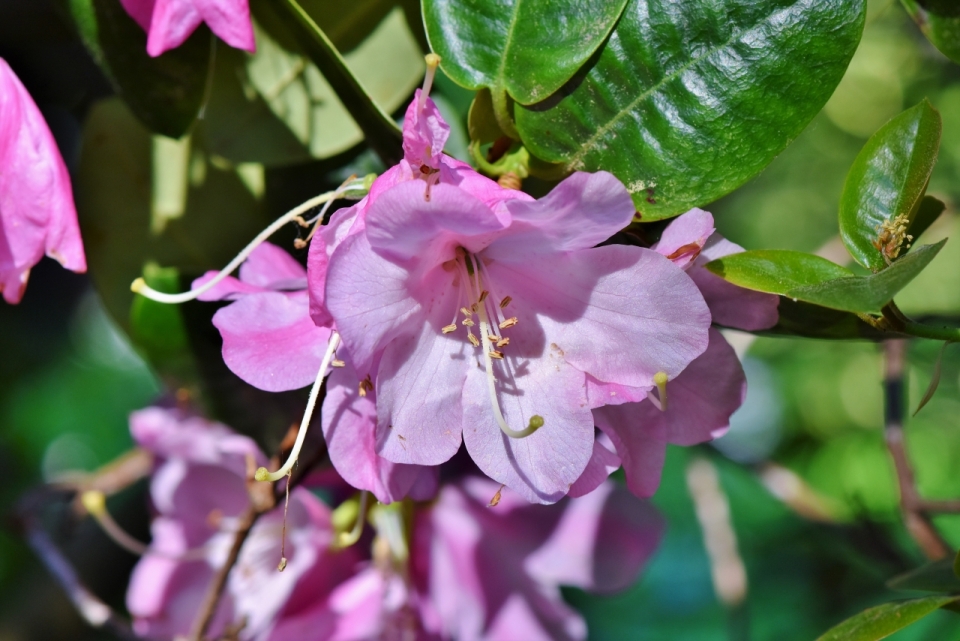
465, 311
468, 322
503, 342
497, 355
94, 502
366, 385
452, 327
510, 322
474, 340
483, 296
506, 301
337, 363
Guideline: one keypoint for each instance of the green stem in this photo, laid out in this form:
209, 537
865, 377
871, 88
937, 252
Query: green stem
920, 330
382, 133
501, 110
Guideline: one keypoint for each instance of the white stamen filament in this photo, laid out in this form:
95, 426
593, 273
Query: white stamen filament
263, 474
139, 286
660, 380
433, 61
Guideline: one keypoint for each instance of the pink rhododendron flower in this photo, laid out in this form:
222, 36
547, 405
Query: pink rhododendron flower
200, 490
634, 430
269, 339
544, 307
37, 214
169, 22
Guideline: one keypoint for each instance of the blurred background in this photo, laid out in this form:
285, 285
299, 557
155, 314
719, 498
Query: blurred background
74, 357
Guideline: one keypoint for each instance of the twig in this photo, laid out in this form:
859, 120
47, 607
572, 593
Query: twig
915, 517
94, 611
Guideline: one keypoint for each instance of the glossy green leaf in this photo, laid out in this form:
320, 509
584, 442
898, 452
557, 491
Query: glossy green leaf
527, 49
157, 329
883, 620
816, 280
481, 121
937, 576
165, 92
686, 102
927, 213
776, 271
806, 320
887, 180
940, 22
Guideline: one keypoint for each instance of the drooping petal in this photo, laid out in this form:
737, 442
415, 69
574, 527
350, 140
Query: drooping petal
425, 132
603, 462
37, 214
419, 386
642, 446
271, 267
601, 543
730, 305
405, 225
172, 22
349, 425
684, 238
620, 314
270, 341
582, 211
533, 379
369, 299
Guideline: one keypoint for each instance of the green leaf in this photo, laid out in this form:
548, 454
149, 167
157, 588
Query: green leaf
165, 92
526, 49
776, 271
816, 280
883, 620
481, 121
940, 22
802, 319
934, 380
937, 576
685, 106
158, 329
887, 180
927, 213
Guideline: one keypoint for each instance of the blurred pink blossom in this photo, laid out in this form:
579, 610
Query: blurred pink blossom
169, 22
37, 214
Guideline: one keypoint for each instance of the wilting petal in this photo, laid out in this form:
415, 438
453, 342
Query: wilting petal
270, 341
730, 305
425, 132
684, 238
170, 22
642, 446
349, 425
620, 314
601, 543
603, 462
37, 214
403, 225
533, 379
582, 211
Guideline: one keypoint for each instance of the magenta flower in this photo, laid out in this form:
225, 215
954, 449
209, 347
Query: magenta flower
432, 278
37, 214
269, 339
635, 430
199, 490
169, 22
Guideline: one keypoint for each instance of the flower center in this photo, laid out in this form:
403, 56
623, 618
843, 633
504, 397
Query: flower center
485, 304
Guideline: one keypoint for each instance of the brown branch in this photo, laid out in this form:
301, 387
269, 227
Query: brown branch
915, 516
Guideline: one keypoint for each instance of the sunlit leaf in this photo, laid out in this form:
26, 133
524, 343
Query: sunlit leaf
684, 105
940, 22
885, 184
937, 576
883, 620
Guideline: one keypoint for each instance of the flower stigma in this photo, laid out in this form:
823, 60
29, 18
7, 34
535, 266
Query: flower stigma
476, 283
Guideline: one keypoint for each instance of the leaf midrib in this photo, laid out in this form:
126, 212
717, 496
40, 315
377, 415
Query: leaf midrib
589, 145
498, 78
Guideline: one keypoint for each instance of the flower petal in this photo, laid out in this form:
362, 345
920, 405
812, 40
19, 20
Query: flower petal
621, 314
603, 463
171, 24
349, 425
533, 379
271, 267
425, 132
641, 445
684, 238
270, 341
730, 305
582, 211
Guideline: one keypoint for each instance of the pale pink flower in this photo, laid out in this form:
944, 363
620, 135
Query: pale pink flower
37, 214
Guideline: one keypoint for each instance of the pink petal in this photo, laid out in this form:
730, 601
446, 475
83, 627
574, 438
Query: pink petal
603, 462
600, 393
424, 133
230, 20
324, 242
601, 543
540, 467
37, 214
369, 298
140, 10
684, 238
270, 341
171, 24
641, 445
349, 425
226, 289
460, 174
582, 211
620, 314
403, 225
730, 305
419, 387
271, 267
